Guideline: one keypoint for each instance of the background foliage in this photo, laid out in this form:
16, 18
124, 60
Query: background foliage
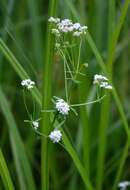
100, 133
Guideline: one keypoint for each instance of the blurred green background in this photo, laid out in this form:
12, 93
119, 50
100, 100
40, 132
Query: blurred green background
23, 28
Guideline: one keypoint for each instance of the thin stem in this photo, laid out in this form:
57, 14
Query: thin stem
24, 100
87, 103
66, 84
71, 61
67, 65
54, 119
49, 111
60, 124
77, 70
41, 134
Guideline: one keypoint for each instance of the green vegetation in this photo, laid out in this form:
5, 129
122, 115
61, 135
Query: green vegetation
94, 150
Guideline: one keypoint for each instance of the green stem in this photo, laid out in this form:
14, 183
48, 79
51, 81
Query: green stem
66, 84
47, 99
88, 103
77, 70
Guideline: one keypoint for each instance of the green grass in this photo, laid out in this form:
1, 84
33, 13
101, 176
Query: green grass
4, 173
96, 142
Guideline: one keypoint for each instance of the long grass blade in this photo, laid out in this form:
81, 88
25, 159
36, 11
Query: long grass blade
22, 164
4, 173
106, 103
47, 85
121, 165
77, 162
17, 67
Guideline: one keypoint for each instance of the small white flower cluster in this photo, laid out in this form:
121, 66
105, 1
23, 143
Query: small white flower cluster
35, 124
123, 185
55, 136
102, 81
66, 26
54, 20
62, 107
28, 83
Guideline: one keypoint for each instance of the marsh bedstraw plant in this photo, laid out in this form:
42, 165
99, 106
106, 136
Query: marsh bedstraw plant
68, 35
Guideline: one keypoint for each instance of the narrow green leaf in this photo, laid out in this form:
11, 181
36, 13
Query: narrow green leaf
17, 67
121, 165
77, 162
47, 88
104, 120
4, 173
21, 160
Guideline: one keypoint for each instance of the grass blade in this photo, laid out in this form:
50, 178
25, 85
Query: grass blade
22, 163
18, 68
4, 173
47, 84
104, 121
36, 32
77, 162
121, 165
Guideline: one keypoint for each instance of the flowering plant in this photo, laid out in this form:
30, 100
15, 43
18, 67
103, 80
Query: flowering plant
62, 108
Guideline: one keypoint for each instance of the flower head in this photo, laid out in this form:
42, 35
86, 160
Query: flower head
28, 83
102, 81
35, 124
54, 20
62, 107
76, 25
67, 26
55, 136
99, 78
123, 185
55, 32
77, 33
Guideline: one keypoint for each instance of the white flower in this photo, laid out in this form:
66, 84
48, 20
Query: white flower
66, 22
55, 136
55, 31
77, 33
35, 124
99, 78
123, 185
105, 85
54, 20
62, 107
83, 28
28, 83
109, 87
66, 26
70, 28
102, 81
77, 26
